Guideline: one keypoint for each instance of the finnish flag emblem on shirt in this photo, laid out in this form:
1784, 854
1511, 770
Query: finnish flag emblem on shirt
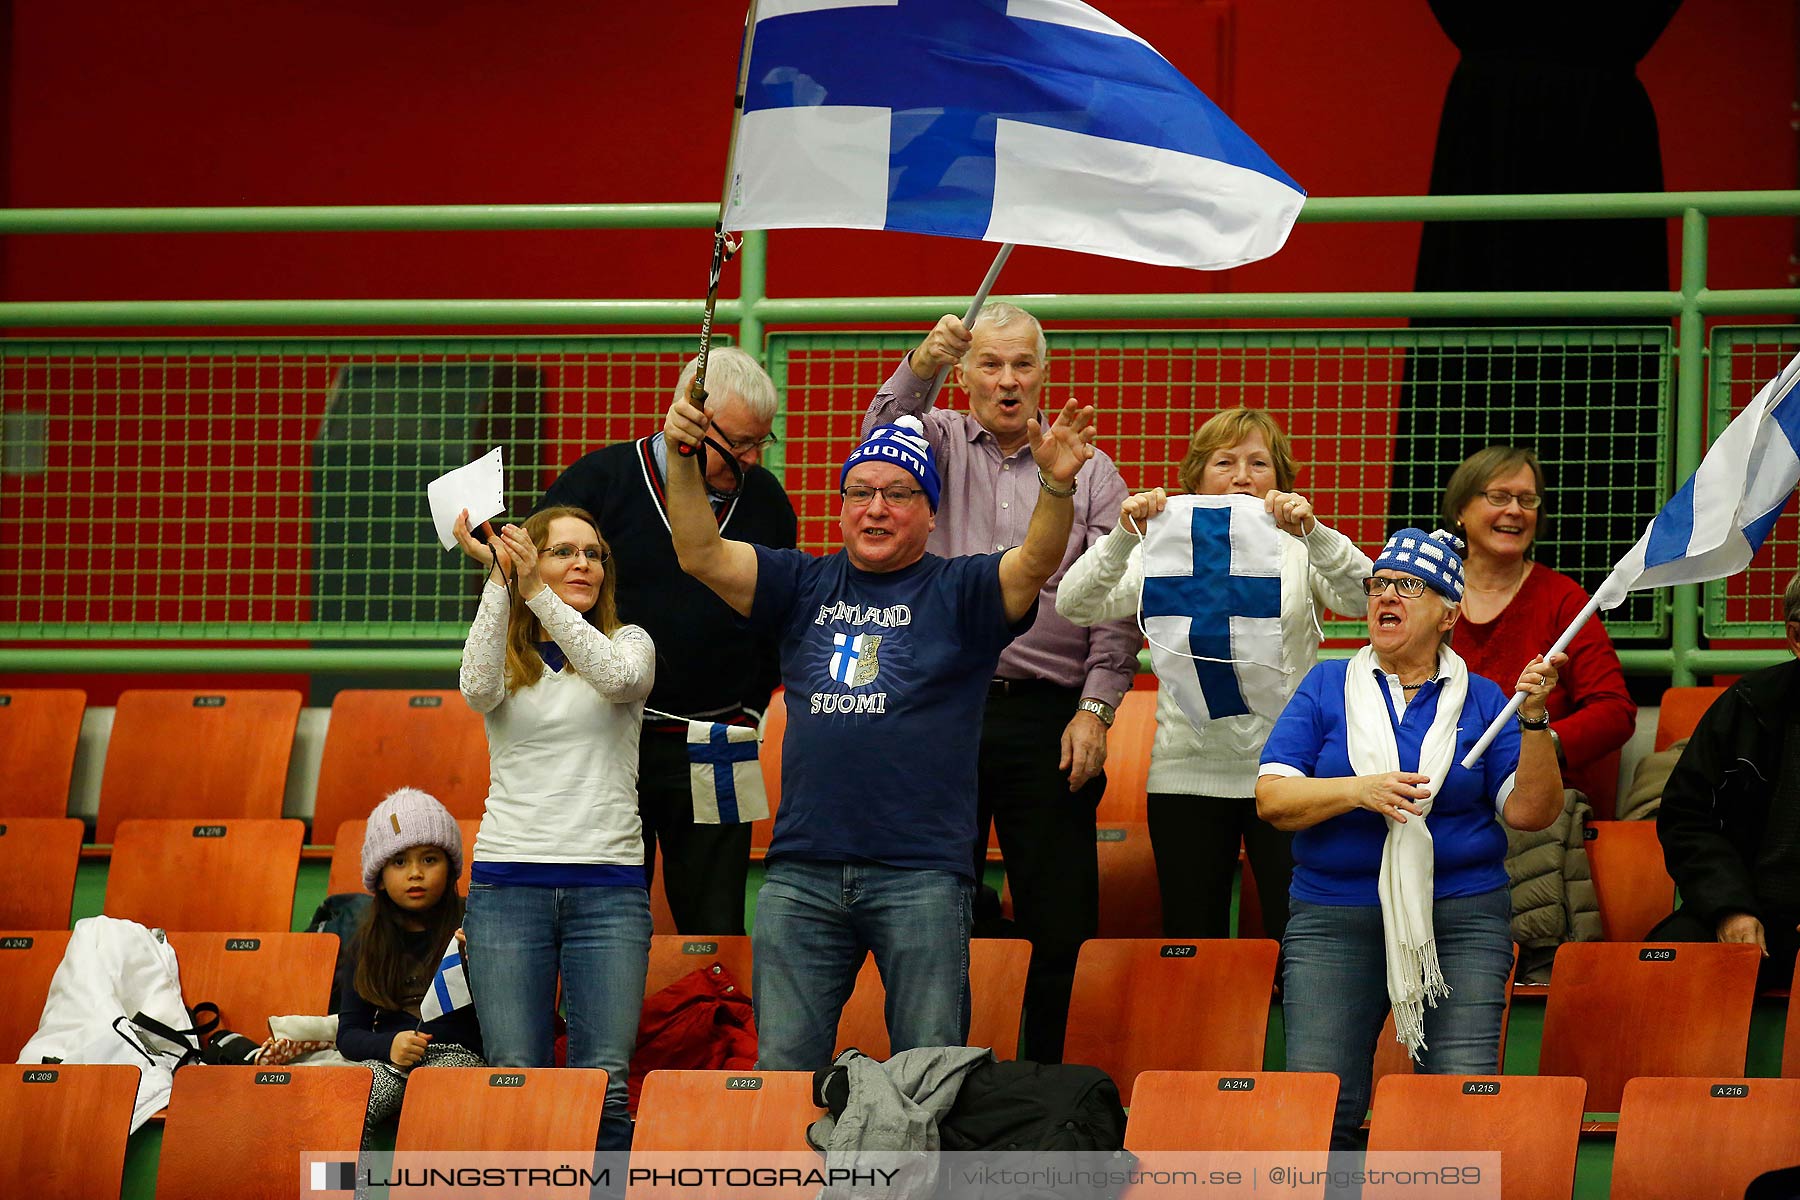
854, 658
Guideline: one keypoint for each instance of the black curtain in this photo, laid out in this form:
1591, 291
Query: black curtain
1545, 99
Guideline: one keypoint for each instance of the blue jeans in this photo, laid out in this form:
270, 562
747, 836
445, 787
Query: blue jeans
814, 923
1334, 995
597, 939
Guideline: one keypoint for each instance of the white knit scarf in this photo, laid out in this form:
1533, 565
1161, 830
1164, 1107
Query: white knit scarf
1407, 869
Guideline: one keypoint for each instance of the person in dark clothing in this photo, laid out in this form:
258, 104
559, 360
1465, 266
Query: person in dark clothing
1545, 99
708, 668
411, 859
1730, 817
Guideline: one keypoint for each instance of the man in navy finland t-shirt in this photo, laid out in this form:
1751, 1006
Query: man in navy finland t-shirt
886, 652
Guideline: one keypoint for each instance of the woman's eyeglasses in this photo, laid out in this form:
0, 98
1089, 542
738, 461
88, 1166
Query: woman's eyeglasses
565, 552
1500, 499
1409, 586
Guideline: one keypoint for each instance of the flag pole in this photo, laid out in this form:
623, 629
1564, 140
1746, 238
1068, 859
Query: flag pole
981, 295
722, 249
1518, 698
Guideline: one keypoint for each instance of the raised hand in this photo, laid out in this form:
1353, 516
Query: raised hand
1061, 450
943, 347
471, 545
1135, 513
1537, 681
688, 419
1293, 512
516, 544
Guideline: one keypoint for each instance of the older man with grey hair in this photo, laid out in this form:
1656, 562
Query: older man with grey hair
708, 668
1055, 689
1730, 816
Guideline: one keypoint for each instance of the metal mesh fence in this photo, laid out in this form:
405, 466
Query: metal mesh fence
1378, 419
1748, 605
276, 490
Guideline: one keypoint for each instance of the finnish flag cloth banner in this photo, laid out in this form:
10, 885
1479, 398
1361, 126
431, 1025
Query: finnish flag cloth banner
449, 989
1039, 122
1211, 607
1720, 518
725, 775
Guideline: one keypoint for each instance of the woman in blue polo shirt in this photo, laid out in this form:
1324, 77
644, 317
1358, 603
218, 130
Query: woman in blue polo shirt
1400, 895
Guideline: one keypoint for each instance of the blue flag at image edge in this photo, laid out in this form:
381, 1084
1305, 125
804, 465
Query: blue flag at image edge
1720, 518
1038, 122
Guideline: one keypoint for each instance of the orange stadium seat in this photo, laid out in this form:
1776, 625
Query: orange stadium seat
723, 1115
550, 1110
1705, 1138
673, 956
252, 1127
1130, 896
40, 729
203, 755
1680, 713
380, 739
346, 855
1532, 1121
28, 959
1634, 888
1128, 759
63, 1128
253, 977
38, 860
774, 729
1142, 1004
997, 969
222, 876
1391, 1057
1617, 1010
1790, 1042
1231, 1111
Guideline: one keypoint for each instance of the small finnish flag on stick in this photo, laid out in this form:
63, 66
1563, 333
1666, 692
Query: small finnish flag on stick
449, 989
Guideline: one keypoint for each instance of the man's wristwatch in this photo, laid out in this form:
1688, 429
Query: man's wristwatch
1100, 709
1526, 722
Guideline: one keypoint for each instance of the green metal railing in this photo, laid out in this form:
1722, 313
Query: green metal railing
271, 489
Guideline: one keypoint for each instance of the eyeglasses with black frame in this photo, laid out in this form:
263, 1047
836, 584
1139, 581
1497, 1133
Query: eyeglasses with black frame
1500, 498
1410, 586
563, 552
744, 445
897, 495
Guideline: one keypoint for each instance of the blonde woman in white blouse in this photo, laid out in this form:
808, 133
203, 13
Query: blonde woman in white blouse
557, 888
1202, 784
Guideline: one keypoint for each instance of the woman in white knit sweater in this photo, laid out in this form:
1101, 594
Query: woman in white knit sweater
1202, 783
557, 889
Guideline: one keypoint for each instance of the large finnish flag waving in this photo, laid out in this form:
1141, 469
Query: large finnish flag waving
1719, 519
1212, 607
1039, 122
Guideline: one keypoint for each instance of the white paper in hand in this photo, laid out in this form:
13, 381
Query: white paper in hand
476, 487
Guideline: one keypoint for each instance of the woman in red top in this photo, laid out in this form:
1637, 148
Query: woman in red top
1514, 609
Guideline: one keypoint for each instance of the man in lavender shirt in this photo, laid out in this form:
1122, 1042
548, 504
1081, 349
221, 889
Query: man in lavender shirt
1043, 741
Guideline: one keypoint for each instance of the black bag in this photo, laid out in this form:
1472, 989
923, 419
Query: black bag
340, 914
1035, 1106
190, 1043
1013, 1114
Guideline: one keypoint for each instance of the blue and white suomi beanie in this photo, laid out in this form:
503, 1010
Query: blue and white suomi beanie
902, 444
1435, 557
